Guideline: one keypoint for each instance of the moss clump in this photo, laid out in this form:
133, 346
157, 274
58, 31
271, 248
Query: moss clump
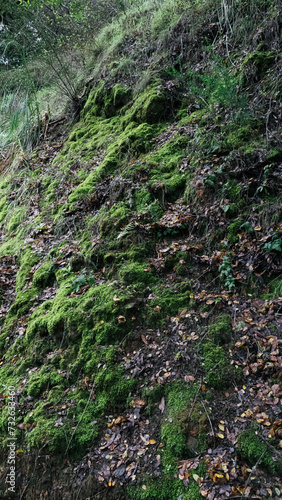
233, 190
181, 416
167, 488
215, 365
258, 62
151, 106
137, 274
16, 218
27, 260
254, 450
233, 230
113, 388
43, 276
106, 102
221, 329
168, 301
43, 380
134, 139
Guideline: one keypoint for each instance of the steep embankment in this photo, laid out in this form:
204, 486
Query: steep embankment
141, 270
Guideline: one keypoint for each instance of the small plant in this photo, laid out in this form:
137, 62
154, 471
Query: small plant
210, 179
247, 226
225, 270
274, 244
83, 278
263, 187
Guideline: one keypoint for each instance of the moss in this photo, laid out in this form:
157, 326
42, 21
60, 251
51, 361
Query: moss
221, 329
142, 199
242, 133
43, 276
133, 140
113, 388
168, 156
194, 117
84, 189
111, 221
233, 190
167, 488
258, 62
138, 274
16, 218
169, 301
254, 450
151, 106
22, 303
50, 188
183, 415
27, 260
233, 230
105, 102
44, 380
215, 366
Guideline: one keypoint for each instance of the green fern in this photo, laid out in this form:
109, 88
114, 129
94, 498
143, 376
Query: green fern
127, 230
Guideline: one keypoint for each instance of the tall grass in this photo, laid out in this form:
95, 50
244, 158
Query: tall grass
19, 120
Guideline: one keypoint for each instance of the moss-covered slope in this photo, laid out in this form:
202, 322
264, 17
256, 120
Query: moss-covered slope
141, 268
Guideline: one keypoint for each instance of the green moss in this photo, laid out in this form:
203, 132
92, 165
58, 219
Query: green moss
113, 387
133, 140
151, 106
183, 414
142, 199
16, 218
43, 276
221, 329
233, 190
194, 117
84, 189
167, 488
168, 301
254, 450
258, 62
215, 366
233, 230
105, 102
111, 221
22, 303
27, 260
168, 156
137, 274
50, 188
242, 133
44, 380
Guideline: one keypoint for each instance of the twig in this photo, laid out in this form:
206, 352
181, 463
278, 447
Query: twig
211, 426
86, 406
253, 469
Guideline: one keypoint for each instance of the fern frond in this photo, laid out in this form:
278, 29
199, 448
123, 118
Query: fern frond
128, 229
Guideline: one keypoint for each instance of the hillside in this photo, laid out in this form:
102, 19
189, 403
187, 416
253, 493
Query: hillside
141, 259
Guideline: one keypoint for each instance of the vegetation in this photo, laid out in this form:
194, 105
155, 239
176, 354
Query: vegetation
141, 243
